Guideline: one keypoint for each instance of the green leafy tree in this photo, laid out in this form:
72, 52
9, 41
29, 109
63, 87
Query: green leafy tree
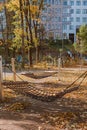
58, 44
81, 42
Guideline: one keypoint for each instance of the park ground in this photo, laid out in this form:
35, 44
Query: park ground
19, 112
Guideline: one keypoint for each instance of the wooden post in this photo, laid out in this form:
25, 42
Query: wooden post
1, 88
59, 66
13, 68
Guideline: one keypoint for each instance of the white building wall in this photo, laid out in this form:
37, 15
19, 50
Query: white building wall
76, 11
79, 18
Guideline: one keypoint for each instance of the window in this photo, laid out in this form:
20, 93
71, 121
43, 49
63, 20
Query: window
85, 2
48, 19
84, 11
52, 26
49, 1
54, 19
45, 1
84, 19
71, 19
65, 3
58, 10
65, 10
71, 2
49, 26
71, 27
52, 2
59, 19
72, 11
78, 2
58, 27
44, 18
64, 19
64, 27
55, 26
49, 10
78, 11
57, 2
78, 26
77, 19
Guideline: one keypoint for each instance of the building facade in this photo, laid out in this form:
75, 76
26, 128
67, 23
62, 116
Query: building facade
78, 16
55, 17
63, 17
2, 20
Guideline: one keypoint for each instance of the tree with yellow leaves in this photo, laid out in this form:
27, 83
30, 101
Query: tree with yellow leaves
26, 20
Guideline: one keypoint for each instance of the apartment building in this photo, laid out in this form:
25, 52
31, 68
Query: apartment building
78, 16
55, 17
63, 17
2, 20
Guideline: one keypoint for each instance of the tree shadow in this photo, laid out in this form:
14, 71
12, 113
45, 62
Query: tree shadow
65, 109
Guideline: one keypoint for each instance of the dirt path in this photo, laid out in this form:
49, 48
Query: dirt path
22, 125
22, 121
63, 113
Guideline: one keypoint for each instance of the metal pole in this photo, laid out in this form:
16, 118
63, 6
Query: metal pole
1, 88
81, 59
59, 65
13, 68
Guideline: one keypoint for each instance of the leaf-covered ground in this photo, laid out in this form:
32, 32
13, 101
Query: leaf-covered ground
19, 112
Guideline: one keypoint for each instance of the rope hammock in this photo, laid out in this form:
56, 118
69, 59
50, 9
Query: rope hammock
27, 89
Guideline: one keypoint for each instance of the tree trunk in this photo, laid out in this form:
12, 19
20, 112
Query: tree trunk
6, 33
30, 57
22, 26
37, 54
35, 24
29, 49
27, 14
